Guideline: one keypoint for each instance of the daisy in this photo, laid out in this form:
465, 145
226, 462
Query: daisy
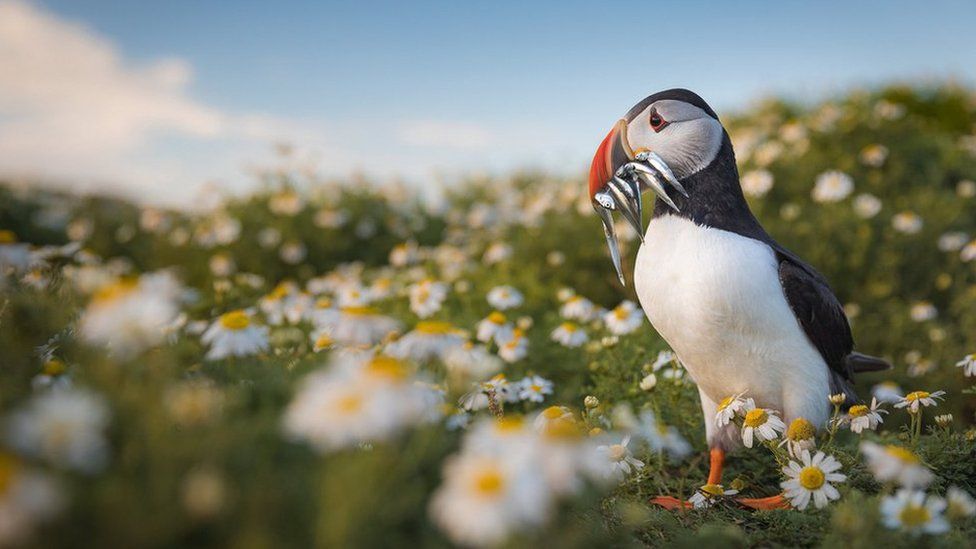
873, 155
428, 340
707, 495
490, 325
661, 437
756, 183
352, 294
569, 334
131, 315
512, 346
923, 311
952, 241
916, 399
578, 308
911, 511
404, 254
896, 464
761, 424
812, 478
65, 428
28, 498
359, 326
867, 205
861, 417
943, 420
663, 359
504, 297
234, 334
624, 318
484, 499
427, 297
648, 383
621, 462
54, 375
498, 385
732, 406
534, 388
496, 253
968, 365
832, 186
801, 436
960, 504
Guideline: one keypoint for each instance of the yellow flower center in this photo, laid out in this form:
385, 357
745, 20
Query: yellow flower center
726, 402
621, 313
54, 367
618, 452
359, 311
713, 489
7, 237
800, 429
112, 292
8, 470
914, 516
562, 428
323, 303
811, 478
917, 395
902, 454
569, 327
497, 318
279, 291
384, 366
554, 412
509, 424
350, 404
235, 320
858, 410
489, 481
756, 417
323, 341
435, 327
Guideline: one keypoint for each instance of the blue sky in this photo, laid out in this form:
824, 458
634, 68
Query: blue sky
421, 88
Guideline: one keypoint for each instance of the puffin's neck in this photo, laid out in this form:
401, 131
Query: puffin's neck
715, 197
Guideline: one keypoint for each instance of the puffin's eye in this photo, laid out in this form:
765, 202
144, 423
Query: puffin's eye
657, 123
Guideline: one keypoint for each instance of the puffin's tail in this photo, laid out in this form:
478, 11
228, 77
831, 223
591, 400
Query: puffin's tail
859, 363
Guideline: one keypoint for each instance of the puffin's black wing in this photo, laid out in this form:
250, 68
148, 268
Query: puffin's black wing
822, 318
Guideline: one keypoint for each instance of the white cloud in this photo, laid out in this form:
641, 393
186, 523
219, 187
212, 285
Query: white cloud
445, 134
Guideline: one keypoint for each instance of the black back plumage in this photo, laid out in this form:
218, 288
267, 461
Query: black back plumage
716, 200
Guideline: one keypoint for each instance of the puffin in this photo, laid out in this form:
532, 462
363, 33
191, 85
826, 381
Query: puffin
743, 314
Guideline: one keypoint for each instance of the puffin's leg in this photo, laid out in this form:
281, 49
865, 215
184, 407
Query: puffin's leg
765, 504
716, 459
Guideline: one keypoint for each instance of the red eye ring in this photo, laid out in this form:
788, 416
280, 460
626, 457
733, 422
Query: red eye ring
657, 122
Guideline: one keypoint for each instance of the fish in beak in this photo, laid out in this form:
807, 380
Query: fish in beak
618, 176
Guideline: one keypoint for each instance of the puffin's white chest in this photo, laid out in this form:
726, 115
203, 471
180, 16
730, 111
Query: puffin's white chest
715, 297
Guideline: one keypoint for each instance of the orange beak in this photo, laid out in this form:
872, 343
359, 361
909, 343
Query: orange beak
614, 151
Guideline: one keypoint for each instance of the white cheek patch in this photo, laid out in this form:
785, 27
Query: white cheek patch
688, 145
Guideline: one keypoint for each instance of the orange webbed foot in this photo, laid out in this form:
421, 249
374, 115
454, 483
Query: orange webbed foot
765, 504
671, 503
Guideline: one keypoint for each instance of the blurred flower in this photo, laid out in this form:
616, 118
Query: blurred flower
861, 417
943, 420
131, 315
896, 464
887, 391
504, 297
428, 340
471, 361
888, 110
922, 311
484, 499
579, 308
65, 428
907, 222
874, 155
496, 253
968, 253
966, 188
54, 375
404, 254
358, 397
812, 478
286, 202
204, 493
490, 325
330, 219
27, 498
916, 399
914, 513
757, 183
800, 436
790, 211
569, 334
706, 495
193, 403
234, 334
534, 388
624, 318
427, 297
952, 241
622, 462
555, 258
761, 424
512, 345
359, 326
960, 505
968, 365
222, 265
498, 385
659, 436
269, 237
648, 383
292, 252
832, 186
867, 205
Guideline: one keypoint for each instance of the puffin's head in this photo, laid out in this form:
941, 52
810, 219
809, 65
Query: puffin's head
661, 141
